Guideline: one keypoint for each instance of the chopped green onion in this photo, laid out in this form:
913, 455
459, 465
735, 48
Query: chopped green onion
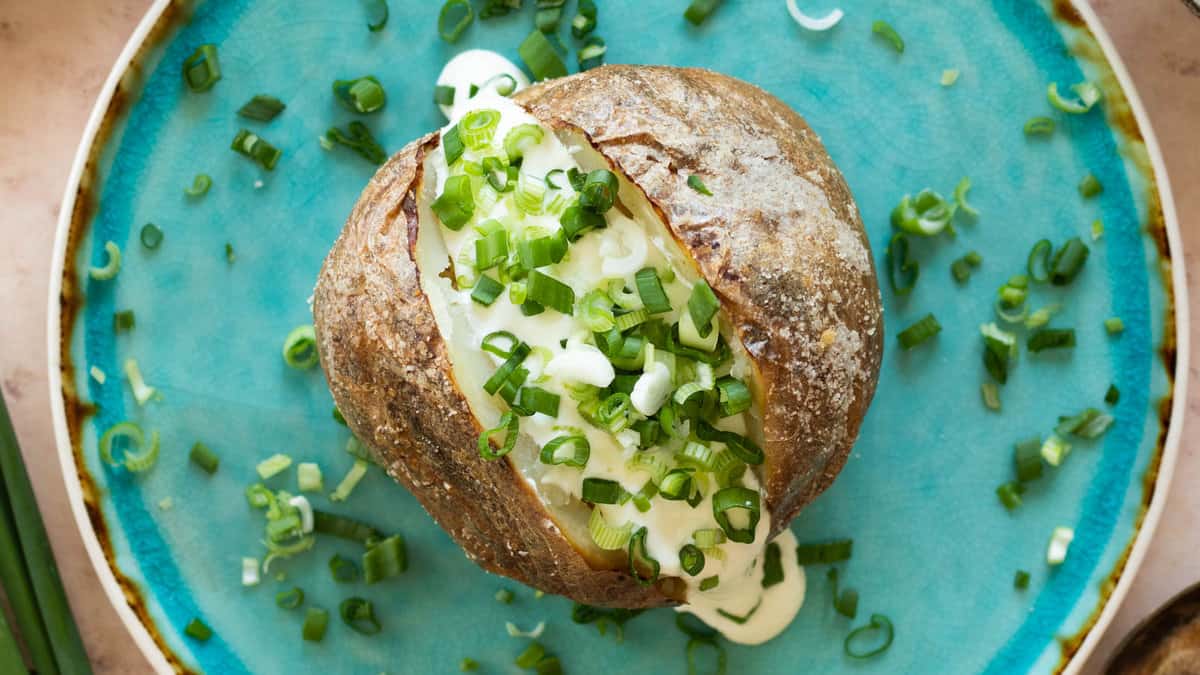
539, 400
133, 438
111, 266
501, 177
200, 185
571, 450
601, 491
546, 290
698, 185
520, 138
884, 30
378, 15
455, 206
699, 10
1054, 450
1039, 126
201, 70
229, 257
343, 527
1089, 95
549, 13
960, 198
1112, 395
198, 630
359, 615
359, 140
925, 215
824, 553
300, 348
491, 250
124, 321
289, 599
919, 332
454, 18
606, 536
261, 108
949, 77
734, 396
509, 425
530, 658
576, 221
542, 251
478, 127
1090, 187
709, 583
1060, 543
772, 566
468, 665
1089, 424
489, 343
599, 191
728, 499
631, 319
1051, 338
703, 306
654, 298
1010, 495
97, 374
486, 290
677, 485
585, 19
349, 482
591, 53
256, 148
363, 94
273, 465
315, 622
308, 477
142, 392
1114, 325
342, 569
1027, 459
539, 56
691, 559
1038, 262
204, 458
991, 395
443, 95
960, 269
743, 448
902, 272
640, 560
879, 624
506, 370
845, 602
505, 84
1097, 229
452, 145
1021, 580
151, 236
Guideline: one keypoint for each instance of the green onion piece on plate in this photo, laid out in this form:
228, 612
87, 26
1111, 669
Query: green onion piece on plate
300, 348
201, 70
902, 272
360, 140
1027, 459
384, 560
991, 395
1088, 93
363, 94
359, 615
1021, 580
261, 108
879, 625
201, 184
377, 13
289, 599
204, 458
699, 11
1113, 395
1039, 126
585, 19
454, 18
825, 553
198, 630
316, 620
256, 148
539, 56
1051, 338
112, 263
1090, 186
591, 53
919, 332
884, 30
151, 236
1010, 495
343, 570
1114, 325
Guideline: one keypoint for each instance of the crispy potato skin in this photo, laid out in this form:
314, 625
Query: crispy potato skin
780, 242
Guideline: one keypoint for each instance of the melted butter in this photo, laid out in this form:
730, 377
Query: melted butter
615, 252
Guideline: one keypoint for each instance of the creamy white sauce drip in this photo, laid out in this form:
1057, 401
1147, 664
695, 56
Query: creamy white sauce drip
615, 252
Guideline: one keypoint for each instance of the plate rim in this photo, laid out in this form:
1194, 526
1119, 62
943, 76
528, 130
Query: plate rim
151, 648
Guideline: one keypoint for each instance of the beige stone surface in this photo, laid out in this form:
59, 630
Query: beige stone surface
54, 56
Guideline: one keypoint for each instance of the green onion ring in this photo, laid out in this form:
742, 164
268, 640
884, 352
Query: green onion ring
638, 557
737, 498
1040, 253
878, 622
451, 28
359, 615
509, 425
300, 348
289, 599
902, 272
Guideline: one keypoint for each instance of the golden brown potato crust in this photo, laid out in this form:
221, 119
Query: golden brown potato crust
780, 242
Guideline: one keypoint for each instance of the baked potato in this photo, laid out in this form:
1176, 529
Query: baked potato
648, 187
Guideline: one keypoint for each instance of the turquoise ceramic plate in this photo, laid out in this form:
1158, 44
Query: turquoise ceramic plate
934, 550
